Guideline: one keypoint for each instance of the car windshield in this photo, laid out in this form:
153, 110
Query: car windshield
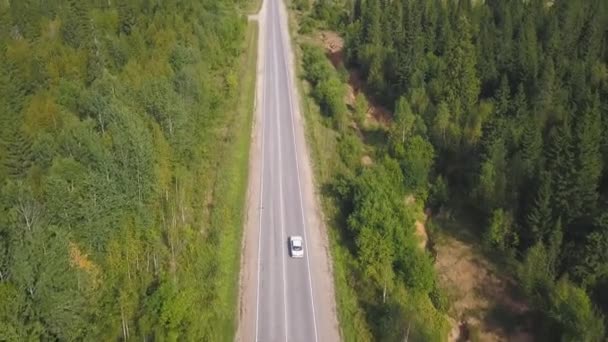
297, 248
297, 245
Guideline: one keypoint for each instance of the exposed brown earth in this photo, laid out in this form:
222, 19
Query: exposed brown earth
478, 292
334, 47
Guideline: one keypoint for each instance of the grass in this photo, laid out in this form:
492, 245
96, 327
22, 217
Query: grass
254, 6
231, 187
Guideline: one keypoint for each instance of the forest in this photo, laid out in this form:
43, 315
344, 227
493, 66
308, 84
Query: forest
499, 110
119, 216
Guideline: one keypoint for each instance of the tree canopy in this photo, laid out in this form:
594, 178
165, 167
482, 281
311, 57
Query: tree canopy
504, 104
111, 115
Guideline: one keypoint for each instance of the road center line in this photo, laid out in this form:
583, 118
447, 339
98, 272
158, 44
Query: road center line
281, 204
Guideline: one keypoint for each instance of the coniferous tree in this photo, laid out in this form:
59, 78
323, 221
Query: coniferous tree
588, 159
560, 164
540, 217
513, 94
462, 83
531, 147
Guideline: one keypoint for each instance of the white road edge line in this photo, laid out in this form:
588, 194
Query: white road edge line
257, 296
281, 204
295, 146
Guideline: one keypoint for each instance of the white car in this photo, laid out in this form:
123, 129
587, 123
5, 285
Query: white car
296, 247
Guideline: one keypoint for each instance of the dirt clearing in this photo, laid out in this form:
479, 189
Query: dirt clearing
484, 306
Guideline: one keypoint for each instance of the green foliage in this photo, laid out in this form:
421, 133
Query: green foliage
515, 111
591, 267
404, 121
316, 66
500, 233
350, 149
572, 309
588, 159
439, 193
330, 95
307, 24
386, 249
328, 89
302, 5
361, 108
112, 172
412, 150
514, 96
492, 184
462, 88
535, 271
416, 158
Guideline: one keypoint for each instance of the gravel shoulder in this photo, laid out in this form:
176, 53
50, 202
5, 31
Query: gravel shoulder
248, 268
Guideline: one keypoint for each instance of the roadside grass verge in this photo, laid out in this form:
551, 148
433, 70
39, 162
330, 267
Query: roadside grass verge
254, 6
326, 164
322, 141
231, 186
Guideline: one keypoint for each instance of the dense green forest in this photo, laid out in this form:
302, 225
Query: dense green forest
382, 265
383, 278
500, 109
114, 130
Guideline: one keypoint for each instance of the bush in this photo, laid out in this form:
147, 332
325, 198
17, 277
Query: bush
499, 233
416, 158
572, 309
316, 66
330, 96
350, 149
307, 25
330, 12
417, 269
361, 107
302, 5
441, 300
439, 193
535, 272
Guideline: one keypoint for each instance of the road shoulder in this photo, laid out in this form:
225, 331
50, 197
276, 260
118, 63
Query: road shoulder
248, 267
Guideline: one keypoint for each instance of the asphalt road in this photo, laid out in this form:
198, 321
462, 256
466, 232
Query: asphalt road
285, 300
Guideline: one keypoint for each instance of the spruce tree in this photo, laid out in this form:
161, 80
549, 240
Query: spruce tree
540, 217
588, 159
462, 83
561, 165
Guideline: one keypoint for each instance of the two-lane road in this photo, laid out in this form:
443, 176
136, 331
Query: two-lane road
285, 303
293, 297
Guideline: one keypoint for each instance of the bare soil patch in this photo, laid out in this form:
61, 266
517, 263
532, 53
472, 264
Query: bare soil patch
366, 160
421, 234
419, 224
484, 305
334, 47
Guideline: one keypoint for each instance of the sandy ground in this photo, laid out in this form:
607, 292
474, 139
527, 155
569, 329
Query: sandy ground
319, 253
477, 291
